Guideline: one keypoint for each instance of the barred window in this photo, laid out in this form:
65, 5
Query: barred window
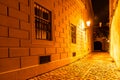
73, 33
42, 22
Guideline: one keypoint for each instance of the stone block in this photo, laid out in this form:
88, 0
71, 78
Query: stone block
9, 42
3, 9
7, 64
25, 43
25, 2
24, 8
63, 45
9, 3
59, 29
25, 25
60, 50
9, 21
59, 39
16, 33
3, 31
16, 52
57, 44
64, 55
57, 34
62, 35
3, 52
29, 61
18, 14
37, 51
66, 49
50, 50
55, 57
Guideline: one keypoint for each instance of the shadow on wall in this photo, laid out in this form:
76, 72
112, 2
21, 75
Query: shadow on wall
97, 46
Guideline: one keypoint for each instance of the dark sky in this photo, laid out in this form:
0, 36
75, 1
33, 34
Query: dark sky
101, 10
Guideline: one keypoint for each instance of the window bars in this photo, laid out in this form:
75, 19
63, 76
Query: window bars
42, 22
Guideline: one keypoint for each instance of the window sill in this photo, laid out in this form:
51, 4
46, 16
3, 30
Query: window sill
42, 42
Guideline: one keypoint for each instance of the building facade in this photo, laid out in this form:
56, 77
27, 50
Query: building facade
115, 31
37, 36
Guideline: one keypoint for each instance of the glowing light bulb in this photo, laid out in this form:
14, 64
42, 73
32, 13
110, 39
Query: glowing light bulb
88, 23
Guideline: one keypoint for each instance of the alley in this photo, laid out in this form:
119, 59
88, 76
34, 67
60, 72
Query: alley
95, 66
54, 39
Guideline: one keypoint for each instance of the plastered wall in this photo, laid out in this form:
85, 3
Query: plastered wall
115, 33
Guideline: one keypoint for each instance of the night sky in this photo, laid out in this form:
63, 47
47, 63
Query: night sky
101, 10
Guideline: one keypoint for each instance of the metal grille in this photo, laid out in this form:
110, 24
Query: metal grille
44, 59
42, 22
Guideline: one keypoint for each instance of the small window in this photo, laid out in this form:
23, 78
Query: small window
73, 33
42, 22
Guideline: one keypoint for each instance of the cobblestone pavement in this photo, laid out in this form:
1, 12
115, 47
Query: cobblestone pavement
96, 66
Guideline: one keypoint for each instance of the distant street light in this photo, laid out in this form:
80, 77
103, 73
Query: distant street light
100, 24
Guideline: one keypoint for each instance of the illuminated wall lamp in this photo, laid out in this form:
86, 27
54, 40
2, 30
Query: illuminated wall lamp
88, 23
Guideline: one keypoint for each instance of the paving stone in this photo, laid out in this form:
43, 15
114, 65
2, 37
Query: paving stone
98, 67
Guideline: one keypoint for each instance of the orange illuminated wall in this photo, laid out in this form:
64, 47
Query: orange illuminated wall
115, 31
22, 55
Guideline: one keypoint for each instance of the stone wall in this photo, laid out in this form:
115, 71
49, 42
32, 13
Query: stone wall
115, 32
19, 50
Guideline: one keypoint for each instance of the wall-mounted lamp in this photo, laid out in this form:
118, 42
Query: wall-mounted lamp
88, 23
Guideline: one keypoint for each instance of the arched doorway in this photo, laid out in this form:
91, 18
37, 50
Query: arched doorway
97, 45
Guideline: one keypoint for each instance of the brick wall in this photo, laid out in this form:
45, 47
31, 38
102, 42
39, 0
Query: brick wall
19, 50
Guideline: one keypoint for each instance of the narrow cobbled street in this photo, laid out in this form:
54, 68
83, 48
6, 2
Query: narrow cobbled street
96, 66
